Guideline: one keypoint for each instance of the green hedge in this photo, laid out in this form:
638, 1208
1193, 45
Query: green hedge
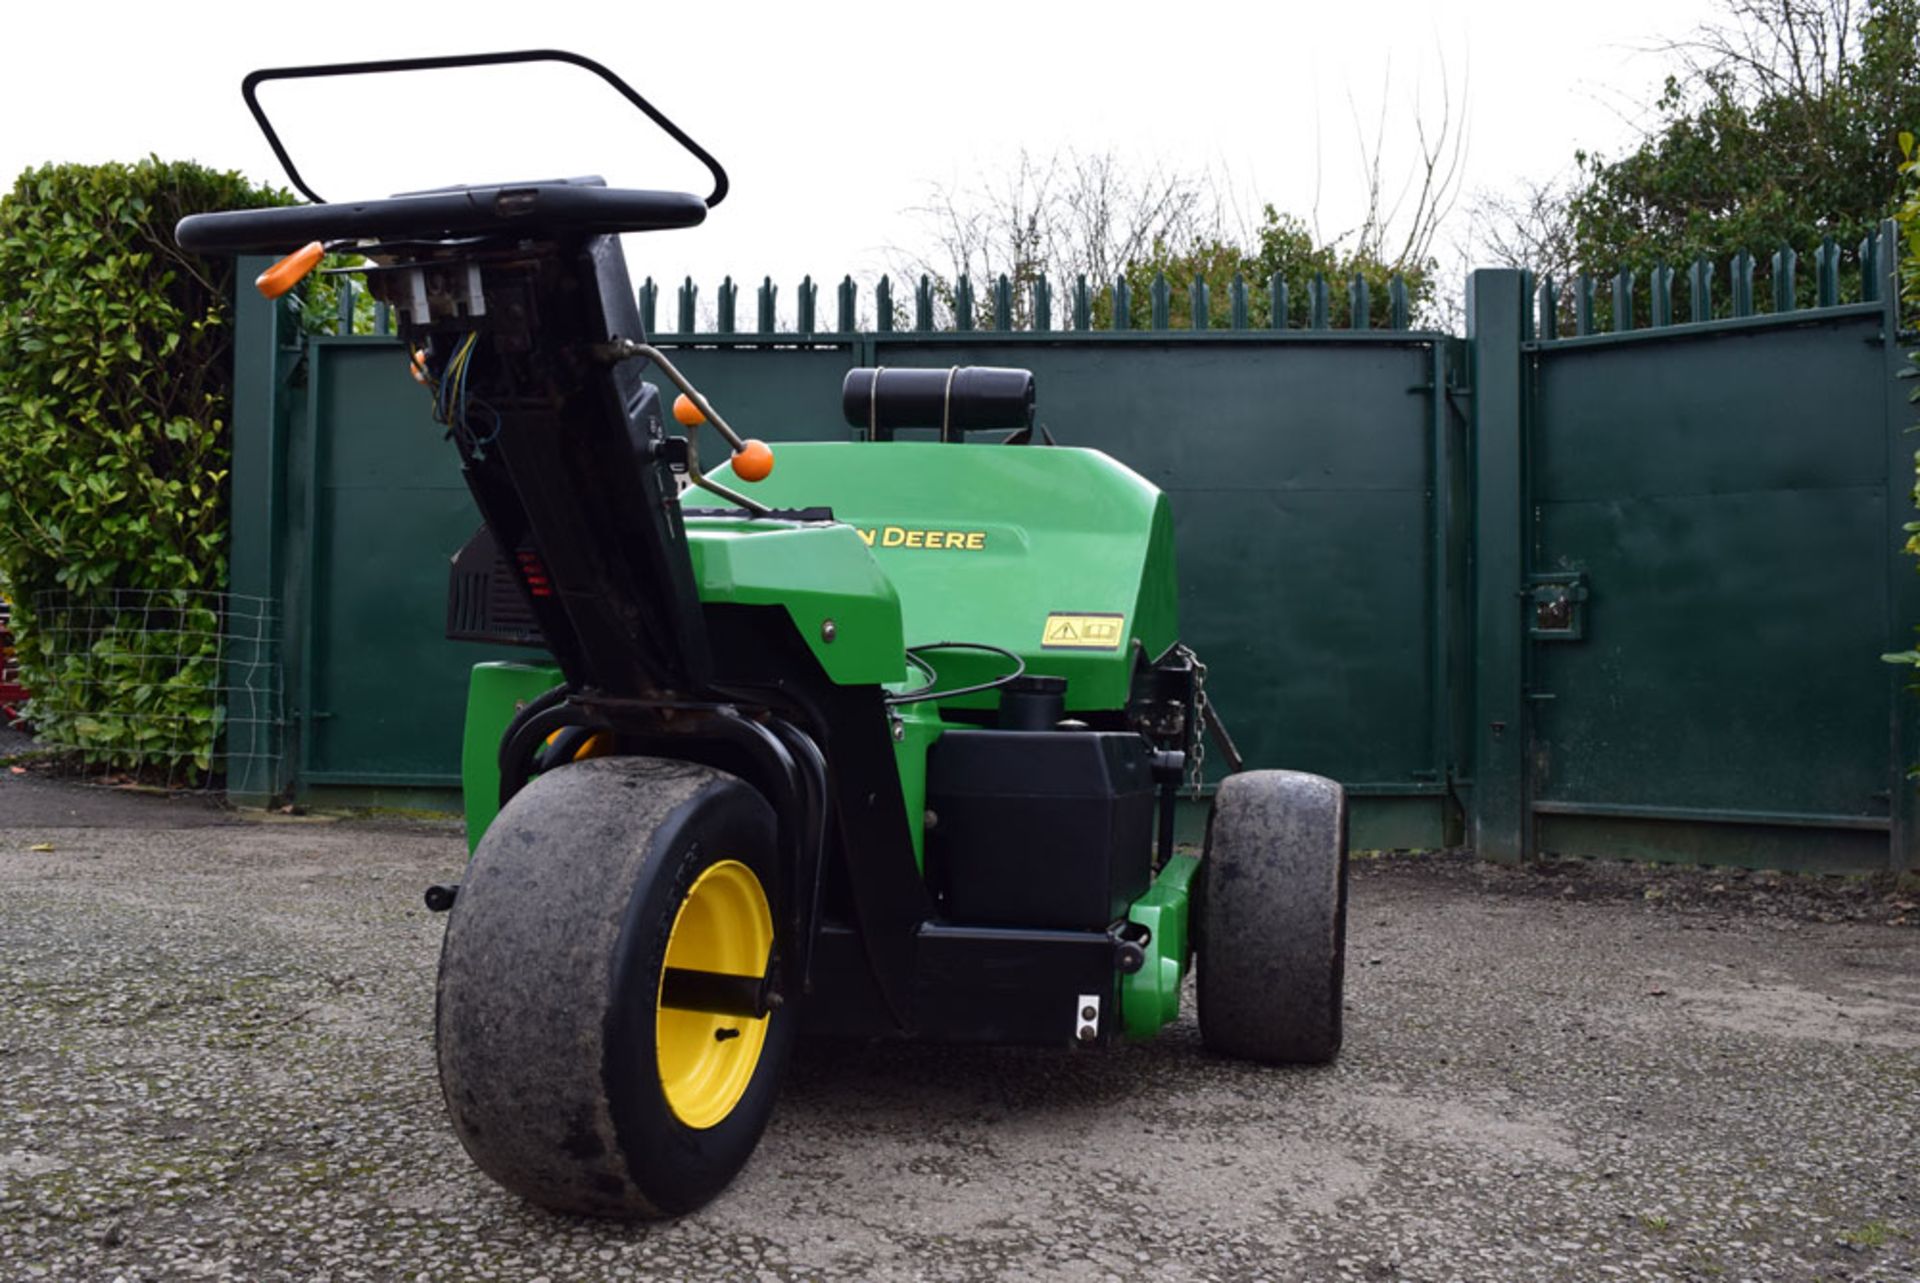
1907, 218
115, 391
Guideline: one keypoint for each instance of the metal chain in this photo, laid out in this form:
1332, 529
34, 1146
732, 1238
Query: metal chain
1197, 759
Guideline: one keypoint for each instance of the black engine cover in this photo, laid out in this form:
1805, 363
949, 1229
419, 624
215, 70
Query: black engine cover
1039, 828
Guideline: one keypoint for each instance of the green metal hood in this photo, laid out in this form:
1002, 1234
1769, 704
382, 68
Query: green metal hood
1063, 556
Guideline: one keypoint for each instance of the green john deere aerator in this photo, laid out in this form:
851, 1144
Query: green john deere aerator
880, 742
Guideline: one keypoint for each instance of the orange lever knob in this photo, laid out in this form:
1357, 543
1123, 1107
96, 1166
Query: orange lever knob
289, 271
754, 462
686, 413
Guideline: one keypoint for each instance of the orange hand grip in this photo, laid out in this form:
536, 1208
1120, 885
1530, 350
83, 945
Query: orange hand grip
686, 413
289, 271
754, 462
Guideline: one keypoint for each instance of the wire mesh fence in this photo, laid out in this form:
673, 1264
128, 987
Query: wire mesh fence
13, 696
169, 687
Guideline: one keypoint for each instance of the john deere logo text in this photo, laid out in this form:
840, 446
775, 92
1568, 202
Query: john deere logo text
902, 537
1084, 632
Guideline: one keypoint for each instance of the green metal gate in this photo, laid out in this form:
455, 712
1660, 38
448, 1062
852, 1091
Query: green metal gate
1707, 572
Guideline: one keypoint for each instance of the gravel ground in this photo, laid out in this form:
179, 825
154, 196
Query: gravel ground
216, 1063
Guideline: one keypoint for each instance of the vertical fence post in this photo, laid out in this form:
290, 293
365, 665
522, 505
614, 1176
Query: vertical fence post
1199, 305
923, 305
688, 293
1661, 301
649, 305
1583, 303
1495, 308
1784, 263
726, 320
1122, 304
883, 305
1870, 269
1700, 289
1623, 300
1903, 595
1319, 307
1359, 304
1082, 305
803, 308
1003, 303
849, 320
1399, 305
1826, 274
765, 321
1277, 302
347, 293
1042, 305
1237, 302
257, 746
1548, 326
1161, 294
963, 304
1742, 287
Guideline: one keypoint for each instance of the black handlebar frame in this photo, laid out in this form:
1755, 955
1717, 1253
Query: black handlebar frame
257, 78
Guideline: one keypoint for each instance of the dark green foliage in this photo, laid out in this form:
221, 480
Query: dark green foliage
1282, 246
115, 390
1785, 129
1907, 215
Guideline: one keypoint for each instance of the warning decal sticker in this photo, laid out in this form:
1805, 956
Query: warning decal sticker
1083, 632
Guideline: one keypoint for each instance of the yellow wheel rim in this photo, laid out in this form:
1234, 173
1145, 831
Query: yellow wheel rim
706, 1061
598, 744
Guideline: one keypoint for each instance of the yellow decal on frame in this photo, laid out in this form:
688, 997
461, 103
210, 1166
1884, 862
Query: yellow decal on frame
1097, 631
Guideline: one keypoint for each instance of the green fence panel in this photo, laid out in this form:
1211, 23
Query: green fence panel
381, 705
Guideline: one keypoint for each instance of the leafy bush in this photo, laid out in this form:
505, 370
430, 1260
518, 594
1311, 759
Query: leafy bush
1907, 217
115, 392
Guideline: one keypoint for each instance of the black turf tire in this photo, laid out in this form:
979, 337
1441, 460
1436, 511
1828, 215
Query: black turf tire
544, 1020
1270, 924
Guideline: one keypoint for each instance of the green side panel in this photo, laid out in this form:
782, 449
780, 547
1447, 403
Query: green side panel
1001, 545
1726, 501
495, 692
823, 575
1150, 997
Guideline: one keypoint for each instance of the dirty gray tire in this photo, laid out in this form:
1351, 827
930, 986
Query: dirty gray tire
1271, 918
548, 1024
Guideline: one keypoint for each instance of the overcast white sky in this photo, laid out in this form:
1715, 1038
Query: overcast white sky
834, 120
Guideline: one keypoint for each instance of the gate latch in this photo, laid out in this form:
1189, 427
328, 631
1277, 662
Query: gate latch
1558, 606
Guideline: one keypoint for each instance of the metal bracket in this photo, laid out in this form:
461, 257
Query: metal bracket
1557, 606
1086, 1017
